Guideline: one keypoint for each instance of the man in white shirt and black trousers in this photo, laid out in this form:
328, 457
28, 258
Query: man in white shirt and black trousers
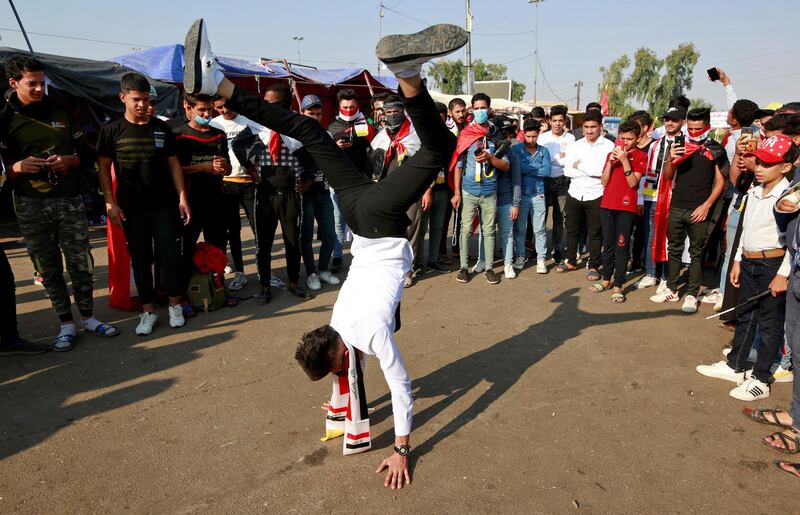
583, 163
364, 316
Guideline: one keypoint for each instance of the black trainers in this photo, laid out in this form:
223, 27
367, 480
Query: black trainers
298, 291
435, 41
463, 276
23, 347
201, 73
492, 277
265, 296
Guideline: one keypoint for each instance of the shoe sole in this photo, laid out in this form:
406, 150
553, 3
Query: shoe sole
462, 280
435, 41
192, 67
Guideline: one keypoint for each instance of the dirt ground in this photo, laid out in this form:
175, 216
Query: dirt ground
532, 396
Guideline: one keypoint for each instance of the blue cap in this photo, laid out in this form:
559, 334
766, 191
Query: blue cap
310, 101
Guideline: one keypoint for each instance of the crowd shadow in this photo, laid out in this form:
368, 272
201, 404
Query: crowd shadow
36, 392
500, 365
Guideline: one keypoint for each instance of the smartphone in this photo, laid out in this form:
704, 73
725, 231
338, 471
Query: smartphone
749, 134
680, 140
618, 143
713, 74
478, 151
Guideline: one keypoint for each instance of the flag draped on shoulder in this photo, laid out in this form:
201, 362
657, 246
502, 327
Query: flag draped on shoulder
471, 133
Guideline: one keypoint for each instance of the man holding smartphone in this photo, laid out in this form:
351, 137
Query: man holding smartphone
699, 167
46, 150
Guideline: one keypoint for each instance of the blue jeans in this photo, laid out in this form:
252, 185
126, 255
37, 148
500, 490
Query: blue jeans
535, 207
734, 215
338, 225
651, 267
319, 207
505, 233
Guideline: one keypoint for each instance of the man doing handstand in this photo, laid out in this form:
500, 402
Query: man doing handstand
366, 314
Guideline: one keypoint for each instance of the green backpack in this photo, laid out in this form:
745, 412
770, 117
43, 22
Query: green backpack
204, 294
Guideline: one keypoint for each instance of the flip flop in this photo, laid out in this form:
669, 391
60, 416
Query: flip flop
618, 298
64, 342
785, 440
103, 331
564, 267
795, 466
593, 275
759, 416
599, 288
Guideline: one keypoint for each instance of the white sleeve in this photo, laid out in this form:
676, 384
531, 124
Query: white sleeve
730, 95
385, 349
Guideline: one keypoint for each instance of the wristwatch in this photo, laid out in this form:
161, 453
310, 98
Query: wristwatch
627, 172
403, 450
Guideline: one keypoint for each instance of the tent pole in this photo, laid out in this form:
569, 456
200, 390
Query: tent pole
369, 84
19, 22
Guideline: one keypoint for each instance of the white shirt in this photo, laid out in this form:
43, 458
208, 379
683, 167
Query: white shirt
555, 145
760, 232
363, 314
590, 159
232, 128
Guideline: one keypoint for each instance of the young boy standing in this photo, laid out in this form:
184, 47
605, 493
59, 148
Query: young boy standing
621, 174
150, 199
761, 263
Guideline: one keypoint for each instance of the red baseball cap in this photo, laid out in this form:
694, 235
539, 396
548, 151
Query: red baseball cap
776, 149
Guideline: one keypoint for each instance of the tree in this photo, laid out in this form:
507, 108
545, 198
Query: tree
651, 82
697, 103
450, 76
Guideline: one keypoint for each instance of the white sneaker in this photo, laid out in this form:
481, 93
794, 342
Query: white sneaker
726, 351
666, 296
541, 267
718, 304
176, 318
689, 304
711, 297
201, 73
327, 277
228, 269
479, 267
662, 286
509, 272
146, 323
720, 370
277, 282
519, 262
646, 282
783, 375
313, 282
750, 390
238, 281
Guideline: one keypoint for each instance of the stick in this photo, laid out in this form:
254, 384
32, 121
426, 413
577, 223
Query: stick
751, 299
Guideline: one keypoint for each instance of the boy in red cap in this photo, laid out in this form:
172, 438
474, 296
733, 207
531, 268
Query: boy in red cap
761, 263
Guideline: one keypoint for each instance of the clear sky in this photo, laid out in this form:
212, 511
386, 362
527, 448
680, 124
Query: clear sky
754, 42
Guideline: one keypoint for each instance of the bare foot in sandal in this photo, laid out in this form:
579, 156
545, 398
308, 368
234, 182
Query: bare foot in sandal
789, 467
773, 417
618, 297
600, 287
787, 442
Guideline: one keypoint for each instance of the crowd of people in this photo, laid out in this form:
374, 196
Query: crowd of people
664, 203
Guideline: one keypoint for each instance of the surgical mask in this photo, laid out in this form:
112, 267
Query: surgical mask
481, 115
202, 121
395, 120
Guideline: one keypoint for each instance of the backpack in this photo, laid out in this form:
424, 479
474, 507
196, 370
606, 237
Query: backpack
206, 291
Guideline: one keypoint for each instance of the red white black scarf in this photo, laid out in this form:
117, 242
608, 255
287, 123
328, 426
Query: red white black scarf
347, 413
403, 144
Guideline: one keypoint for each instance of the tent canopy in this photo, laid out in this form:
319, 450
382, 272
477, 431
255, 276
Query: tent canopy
499, 104
96, 82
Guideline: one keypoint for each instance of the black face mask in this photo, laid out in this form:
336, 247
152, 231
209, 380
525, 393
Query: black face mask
394, 121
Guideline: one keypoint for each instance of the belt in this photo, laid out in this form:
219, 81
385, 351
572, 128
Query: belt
763, 254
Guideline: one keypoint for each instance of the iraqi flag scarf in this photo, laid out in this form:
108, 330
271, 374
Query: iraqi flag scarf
695, 143
471, 133
347, 413
403, 144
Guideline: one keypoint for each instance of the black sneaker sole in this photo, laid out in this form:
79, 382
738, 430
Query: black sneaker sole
192, 68
435, 41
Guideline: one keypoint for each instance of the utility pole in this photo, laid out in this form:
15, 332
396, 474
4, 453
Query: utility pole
535, 48
578, 97
298, 39
380, 34
470, 76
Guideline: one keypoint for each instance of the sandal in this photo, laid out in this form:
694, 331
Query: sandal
759, 415
794, 466
64, 342
618, 298
599, 288
593, 275
565, 267
103, 331
785, 441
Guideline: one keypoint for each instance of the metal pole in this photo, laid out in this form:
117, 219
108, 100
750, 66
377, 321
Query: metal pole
19, 22
298, 39
535, 49
470, 78
578, 98
380, 34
